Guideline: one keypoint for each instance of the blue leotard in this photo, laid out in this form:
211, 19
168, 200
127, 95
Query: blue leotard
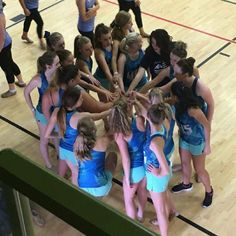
191, 131
130, 70
41, 91
70, 135
92, 172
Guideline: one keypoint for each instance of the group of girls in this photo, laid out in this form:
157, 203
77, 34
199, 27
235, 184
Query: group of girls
66, 112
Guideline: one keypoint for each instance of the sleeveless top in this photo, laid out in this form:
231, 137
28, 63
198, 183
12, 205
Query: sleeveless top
92, 172
203, 104
135, 146
70, 135
88, 62
191, 131
41, 91
149, 154
131, 68
87, 26
108, 56
31, 4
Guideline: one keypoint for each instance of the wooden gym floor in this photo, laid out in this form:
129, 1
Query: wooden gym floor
208, 27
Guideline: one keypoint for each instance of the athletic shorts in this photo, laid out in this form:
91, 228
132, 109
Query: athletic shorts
40, 117
195, 150
157, 184
103, 190
137, 174
67, 155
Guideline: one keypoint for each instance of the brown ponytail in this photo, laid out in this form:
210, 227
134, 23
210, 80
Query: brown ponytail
87, 133
158, 112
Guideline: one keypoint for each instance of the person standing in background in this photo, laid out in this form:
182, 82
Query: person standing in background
134, 5
87, 12
30, 8
7, 64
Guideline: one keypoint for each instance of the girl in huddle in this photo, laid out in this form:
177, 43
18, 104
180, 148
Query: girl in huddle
194, 143
103, 56
87, 12
47, 65
158, 171
134, 5
129, 134
68, 77
67, 118
95, 169
129, 61
178, 52
184, 72
156, 57
156, 96
55, 41
123, 25
83, 51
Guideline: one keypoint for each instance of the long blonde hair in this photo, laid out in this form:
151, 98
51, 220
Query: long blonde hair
119, 121
156, 93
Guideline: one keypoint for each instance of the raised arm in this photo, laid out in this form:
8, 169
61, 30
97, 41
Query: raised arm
137, 79
151, 84
90, 104
121, 66
167, 87
115, 49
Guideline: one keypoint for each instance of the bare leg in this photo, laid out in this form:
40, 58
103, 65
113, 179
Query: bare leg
159, 201
43, 146
129, 193
62, 168
90, 104
199, 166
186, 157
142, 198
74, 173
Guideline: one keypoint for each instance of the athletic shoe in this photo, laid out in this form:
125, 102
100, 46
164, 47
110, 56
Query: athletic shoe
208, 199
182, 187
8, 93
